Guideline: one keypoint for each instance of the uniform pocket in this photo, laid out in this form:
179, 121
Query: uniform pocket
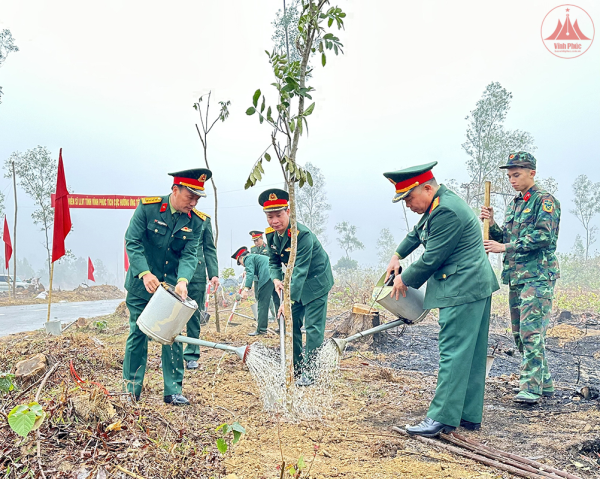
180, 239
156, 232
447, 281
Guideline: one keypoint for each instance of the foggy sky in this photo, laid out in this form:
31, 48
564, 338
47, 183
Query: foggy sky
113, 84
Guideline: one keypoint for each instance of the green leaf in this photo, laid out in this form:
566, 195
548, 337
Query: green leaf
330, 22
309, 178
323, 61
251, 111
236, 426
269, 117
257, 174
301, 463
256, 97
236, 436
36, 408
267, 157
6, 382
248, 184
300, 125
262, 106
292, 471
221, 445
260, 167
310, 109
292, 126
21, 420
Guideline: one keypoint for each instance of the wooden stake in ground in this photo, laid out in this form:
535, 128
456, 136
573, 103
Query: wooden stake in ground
50, 291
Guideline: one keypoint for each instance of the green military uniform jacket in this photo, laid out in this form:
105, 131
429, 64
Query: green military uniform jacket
312, 276
454, 263
207, 252
260, 250
257, 269
530, 233
162, 243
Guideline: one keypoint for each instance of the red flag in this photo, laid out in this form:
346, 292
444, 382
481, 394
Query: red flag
7, 243
62, 216
90, 270
126, 259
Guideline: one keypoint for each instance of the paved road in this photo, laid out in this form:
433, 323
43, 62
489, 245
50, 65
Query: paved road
29, 317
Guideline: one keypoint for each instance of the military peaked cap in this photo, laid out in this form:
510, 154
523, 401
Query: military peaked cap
409, 178
192, 179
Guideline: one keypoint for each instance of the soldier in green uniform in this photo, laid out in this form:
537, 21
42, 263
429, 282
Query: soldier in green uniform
528, 241
207, 266
259, 244
261, 248
460, 282
257, 271
311, 279
162, 245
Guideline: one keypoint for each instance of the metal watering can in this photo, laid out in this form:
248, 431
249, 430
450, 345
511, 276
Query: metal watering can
409, 310
167, 313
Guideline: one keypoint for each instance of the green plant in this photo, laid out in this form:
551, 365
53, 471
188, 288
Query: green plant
294, 470
227, 273
236, 429
6, 382
101, 325
26, 418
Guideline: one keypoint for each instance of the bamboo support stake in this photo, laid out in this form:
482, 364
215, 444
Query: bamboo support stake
486, 202
50, 290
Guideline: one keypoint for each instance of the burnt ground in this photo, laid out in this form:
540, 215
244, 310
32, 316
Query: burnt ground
564, 429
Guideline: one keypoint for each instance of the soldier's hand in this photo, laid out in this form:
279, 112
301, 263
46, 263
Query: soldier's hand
394, 265
244, 295
492, 246
214, 281
181, 289
281, 310
399, 288
151, 282
278, 286
487, 213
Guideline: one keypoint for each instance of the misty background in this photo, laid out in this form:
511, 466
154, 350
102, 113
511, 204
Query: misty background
113, 85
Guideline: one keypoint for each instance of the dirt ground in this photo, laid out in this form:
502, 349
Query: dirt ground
379, 385
81, 293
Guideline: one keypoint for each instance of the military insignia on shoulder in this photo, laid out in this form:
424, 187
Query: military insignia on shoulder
269, 230
548, 206
201, 215
435, 204
151, 200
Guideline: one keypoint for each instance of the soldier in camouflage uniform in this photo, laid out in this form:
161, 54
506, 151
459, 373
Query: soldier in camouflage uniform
528, 241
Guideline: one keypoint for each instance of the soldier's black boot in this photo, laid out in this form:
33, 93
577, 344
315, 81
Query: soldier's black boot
429, 428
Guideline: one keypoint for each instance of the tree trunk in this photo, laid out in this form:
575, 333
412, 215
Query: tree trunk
361, 318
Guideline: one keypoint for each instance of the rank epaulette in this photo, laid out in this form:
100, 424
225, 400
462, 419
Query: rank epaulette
434, 205
201, 215
269, 230
151, 200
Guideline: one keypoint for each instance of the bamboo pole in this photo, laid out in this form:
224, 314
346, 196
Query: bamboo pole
50, 290
15, 235
486, 202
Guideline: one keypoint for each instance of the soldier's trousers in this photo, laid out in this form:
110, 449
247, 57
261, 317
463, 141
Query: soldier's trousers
264, 296
313, 315
463, 342
136, 355
530, 307
196, 291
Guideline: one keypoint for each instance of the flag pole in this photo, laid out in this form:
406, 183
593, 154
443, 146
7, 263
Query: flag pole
50, 291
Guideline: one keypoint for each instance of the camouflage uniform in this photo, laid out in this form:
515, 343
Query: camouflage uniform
530, 269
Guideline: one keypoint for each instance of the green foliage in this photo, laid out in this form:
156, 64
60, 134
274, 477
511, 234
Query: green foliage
101, 325
7, 45
236, 430
345, 264
348, 240
312, 203
386, 246
295, 470
578, 273
290, 84
6, 382
227, 273
25, 418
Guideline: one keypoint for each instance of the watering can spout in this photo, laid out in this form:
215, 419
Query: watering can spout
340, 344
242, 352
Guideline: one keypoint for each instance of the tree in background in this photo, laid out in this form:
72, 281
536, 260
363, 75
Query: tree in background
312, 203
587, 206
489, 144
288, 120
36, 174
286, 30
25, 269
349, 242
386, 247
7, 45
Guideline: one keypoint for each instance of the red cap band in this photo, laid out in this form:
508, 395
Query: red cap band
274, 204
196, 184
410, 183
